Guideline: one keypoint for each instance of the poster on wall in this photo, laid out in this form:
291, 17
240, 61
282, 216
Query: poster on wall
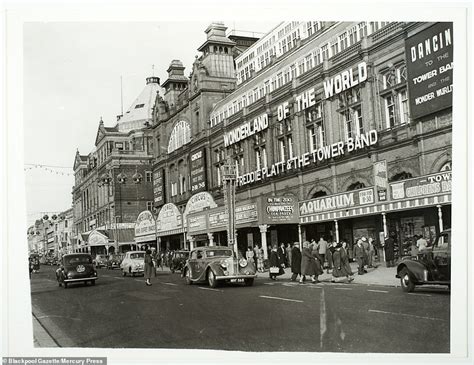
429, 57
198, 171
381, 180
280, 209
422, 186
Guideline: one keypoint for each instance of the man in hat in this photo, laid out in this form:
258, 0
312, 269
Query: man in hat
359, 255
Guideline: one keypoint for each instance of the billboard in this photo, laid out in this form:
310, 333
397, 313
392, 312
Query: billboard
429, 58
422, 186
280, 209
198, 171
158, 186
381, 180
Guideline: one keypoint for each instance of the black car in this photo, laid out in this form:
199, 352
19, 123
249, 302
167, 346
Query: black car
178, 260
76, 267
431, 266
114, 261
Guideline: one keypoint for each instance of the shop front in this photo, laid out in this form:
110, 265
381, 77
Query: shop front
414, 207
170, 231
145, 230
195, 219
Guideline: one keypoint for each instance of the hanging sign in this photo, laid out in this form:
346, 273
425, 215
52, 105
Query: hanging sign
381, 180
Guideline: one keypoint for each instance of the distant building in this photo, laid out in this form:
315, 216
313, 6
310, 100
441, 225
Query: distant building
113, 183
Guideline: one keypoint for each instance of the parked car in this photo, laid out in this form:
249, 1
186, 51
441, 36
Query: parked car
76, 267
217, 264
178, 260
114, 261
133, 263
100, 260
431, 266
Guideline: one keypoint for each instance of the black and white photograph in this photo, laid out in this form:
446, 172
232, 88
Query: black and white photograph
286, 186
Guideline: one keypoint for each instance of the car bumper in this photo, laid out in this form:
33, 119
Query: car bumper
228, 277
80, 279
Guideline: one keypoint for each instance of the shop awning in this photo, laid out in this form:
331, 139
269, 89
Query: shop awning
145, 238
380, 208
170, 232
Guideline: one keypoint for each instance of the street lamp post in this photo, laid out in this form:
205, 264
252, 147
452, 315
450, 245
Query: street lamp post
229, 178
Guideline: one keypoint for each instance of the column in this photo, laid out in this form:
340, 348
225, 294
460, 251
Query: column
385, 232
300, 236
384, 218
440, 218
263, 234
191, 242
210, 236
336, 227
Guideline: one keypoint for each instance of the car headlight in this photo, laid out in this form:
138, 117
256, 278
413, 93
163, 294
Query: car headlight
69, 274
225, 264
243, 262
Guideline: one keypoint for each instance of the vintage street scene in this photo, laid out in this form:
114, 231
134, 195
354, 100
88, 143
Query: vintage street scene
280, 189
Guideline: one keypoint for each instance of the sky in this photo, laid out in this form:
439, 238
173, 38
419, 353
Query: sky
72, 74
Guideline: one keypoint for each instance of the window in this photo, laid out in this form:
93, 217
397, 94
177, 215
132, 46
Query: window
149, 206
261, 157
309, 62
65, 223
403, 106
348, 123
138, 106
293, 71
358, 120
148, 176
218, 174
119, 146
174, 189
182, 184
389, 111
180, 136
282, 144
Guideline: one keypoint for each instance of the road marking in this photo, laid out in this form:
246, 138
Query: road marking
141, 281
322, 319
170, 284
269, 283
105, 276
342, 288
421, 295
377, 291
407, 315
289, 300
204, 288
53, 315
115, 277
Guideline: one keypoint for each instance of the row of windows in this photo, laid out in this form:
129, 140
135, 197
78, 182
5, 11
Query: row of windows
297, 68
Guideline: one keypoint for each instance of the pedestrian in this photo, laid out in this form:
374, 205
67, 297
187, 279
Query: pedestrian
295, 261
276, 268
259, 255
322, 248
329, 252
359, 255
282, 254
414, 248
288, 254
249, 255
421, 243
389, 247
341, 266
148, 267
308, 264
154, 259
365, 244
371, 252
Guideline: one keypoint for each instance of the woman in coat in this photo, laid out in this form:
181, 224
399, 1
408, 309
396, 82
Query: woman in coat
148, 269
295, 261
341, 266
308, 264
275, 262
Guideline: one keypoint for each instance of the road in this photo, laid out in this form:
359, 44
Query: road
121, 312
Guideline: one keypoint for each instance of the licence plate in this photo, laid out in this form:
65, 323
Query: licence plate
236, 280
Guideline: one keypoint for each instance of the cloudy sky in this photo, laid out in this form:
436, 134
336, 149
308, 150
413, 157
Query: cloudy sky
72, 78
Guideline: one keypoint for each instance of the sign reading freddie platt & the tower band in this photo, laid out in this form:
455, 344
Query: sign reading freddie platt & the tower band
429, 56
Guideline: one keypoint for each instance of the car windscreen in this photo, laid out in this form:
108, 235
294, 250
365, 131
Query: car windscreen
135, 256
180, 255
219, 253
75, 260
443, 242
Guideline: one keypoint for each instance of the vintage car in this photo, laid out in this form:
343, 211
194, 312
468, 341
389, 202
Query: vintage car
100, 260
133, 263
76, 267
217, 264
114, 261
178, 260
431, 266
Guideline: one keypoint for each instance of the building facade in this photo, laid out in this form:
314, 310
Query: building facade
335, 129
113, 183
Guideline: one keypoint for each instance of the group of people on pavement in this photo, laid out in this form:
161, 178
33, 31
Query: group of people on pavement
311, 260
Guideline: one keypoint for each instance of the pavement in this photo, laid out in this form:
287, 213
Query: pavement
379, 275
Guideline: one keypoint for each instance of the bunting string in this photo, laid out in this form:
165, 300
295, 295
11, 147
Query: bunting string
48, 168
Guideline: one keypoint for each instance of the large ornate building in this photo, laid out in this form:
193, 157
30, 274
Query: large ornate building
335, 129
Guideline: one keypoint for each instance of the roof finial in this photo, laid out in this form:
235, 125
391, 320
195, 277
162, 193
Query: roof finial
101, 121
153, 70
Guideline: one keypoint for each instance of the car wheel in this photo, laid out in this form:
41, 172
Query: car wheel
124, 273
187, 276
249, 282
65, 285
406, 282
211, 278
60, 283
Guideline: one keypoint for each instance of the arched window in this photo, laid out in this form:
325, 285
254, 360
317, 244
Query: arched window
401, 176
355, 186
180, 136
319, 194
446, 167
